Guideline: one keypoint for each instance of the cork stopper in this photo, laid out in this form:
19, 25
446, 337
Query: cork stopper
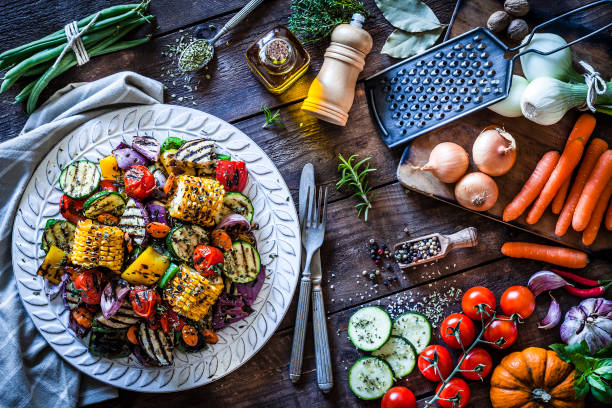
278, 51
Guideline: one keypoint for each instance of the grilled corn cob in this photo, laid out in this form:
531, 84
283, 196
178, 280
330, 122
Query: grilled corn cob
97, 245
191, 294
196, 200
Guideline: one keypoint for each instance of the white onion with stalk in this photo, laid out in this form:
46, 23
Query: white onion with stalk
494, 151
558, 65
476, 191
447, 162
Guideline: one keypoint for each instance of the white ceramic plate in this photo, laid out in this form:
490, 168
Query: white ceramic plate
278, 242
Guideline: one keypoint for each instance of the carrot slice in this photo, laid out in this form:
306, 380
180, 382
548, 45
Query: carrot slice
190, 335
169, 184
594, 187
592, 154
221, 239
157, 229
132, 335
210, 336
592, 229
569, 258
82, 316
532, 186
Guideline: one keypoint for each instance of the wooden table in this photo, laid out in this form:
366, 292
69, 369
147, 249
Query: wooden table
227, 89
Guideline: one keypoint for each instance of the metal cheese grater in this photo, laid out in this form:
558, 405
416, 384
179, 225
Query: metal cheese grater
447, 82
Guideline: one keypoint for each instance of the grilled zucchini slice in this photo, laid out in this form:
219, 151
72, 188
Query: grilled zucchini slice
242, 263
104, 202
59, 233
80, 179
183, 239
235, 203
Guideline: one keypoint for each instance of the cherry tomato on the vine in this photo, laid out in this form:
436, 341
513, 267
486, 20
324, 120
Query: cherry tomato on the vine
455, 327
505, 328
517, 300
398, 397
476, 359
455, 394
478, 299
139, 182
438, 355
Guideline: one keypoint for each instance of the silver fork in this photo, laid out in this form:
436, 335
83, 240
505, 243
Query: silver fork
313, 232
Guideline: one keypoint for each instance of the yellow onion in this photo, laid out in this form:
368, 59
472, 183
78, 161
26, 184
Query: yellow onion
476, 191
447, 162
494, 151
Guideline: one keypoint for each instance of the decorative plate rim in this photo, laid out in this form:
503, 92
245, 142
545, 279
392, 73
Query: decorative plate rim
278, 235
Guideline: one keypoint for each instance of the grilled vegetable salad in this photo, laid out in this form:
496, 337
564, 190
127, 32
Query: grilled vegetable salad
155, 250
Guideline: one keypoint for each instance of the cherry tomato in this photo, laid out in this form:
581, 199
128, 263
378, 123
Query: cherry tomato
478, 299
91, 284
108, 185
232, 174
139, 182
458, 325
441, 356
398, 397
175, 322
517, 300
208, 260
505, 329
144, 300
476, 359
71, 209
457, 391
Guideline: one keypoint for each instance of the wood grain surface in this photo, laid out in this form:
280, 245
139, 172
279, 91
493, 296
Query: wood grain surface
229, 91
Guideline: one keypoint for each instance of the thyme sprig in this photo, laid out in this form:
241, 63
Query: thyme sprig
355, 176
271, 118
314, 20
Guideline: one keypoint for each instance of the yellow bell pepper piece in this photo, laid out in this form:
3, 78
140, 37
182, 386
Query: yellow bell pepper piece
110, 168
147, 269
52, 267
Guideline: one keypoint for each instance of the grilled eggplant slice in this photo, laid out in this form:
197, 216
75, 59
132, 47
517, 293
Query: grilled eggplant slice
197, 154
134, 221
156, 344
124, 318
109, 343
59, 233
72, 296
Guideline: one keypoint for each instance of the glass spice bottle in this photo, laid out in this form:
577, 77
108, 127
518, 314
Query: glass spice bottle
277, 59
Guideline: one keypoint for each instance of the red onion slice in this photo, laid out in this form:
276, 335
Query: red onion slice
545, 280
553, 317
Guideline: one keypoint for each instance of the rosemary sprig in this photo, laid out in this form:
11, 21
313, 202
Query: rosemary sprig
271, 118
314, 20
356, 179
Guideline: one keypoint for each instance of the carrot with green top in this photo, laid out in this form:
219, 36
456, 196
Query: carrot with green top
592, 154
532, 186
592, 228
570, 258
594, 187
563, 170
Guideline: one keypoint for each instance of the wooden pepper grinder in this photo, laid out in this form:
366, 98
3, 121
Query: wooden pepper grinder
331, 94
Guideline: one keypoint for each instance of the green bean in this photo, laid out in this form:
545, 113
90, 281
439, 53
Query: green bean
24, 92
37, 71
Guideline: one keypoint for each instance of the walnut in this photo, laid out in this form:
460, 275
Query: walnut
498, 21
517, 8
518, 29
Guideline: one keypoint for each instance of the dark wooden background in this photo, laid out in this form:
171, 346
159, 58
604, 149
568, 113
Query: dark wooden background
227, 89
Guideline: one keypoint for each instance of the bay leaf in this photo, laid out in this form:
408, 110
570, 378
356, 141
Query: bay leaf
409, 15
402, 44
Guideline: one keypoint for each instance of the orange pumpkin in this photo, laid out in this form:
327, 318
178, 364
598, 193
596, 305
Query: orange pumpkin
533, 378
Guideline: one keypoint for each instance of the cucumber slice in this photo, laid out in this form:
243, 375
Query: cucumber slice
242, 263
235, 203
369, 328
168, 276
183, 240
415, 328
370, 378
79, 179
400, 355
59, 233
104, 202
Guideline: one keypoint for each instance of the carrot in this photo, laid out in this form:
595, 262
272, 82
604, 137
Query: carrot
595, 185
210, 336
608, 221
532, 186
563, 170
169, 184
595, 149
590, 232
220, 239
158, 229
569, 258
190, 335
132, 335
559, 200
82, 316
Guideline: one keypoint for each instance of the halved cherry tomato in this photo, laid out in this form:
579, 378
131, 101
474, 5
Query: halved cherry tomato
153, 322
132, 334
439, 356
455, 394
221, 239
108, 219
477, 364
210, 336
398, 397
90, 283
144, 300
498, 329
71, 209
82, 316
157, 229
232, 174
208, 260
164, 323
476, 300
138, 182
190, 335
108, 185
517, 300
458, 327
175, 322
